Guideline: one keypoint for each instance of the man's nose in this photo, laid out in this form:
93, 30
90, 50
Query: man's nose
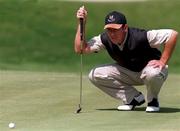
112, 34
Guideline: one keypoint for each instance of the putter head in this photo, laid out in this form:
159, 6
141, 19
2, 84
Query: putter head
79, 109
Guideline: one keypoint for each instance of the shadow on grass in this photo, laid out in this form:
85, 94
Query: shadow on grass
169, 110
162, 110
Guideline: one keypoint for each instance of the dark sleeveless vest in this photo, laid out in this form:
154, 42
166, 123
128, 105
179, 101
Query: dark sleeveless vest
136, 52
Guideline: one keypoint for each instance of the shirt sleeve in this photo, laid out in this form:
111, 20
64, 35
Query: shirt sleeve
158, 37
96, 44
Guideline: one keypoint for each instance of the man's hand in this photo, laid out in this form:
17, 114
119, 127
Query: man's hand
82, 13
156, 64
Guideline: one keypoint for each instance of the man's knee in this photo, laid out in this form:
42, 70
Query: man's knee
97, 74
153, 74
91, 75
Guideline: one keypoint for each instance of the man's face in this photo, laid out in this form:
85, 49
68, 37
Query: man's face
117, 36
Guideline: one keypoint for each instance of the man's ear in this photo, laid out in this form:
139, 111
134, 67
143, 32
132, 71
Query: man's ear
125, 28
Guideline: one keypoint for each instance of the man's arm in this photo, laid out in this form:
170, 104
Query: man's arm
169, 46
81, 13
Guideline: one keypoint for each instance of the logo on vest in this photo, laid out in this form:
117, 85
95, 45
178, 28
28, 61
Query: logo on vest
111, 18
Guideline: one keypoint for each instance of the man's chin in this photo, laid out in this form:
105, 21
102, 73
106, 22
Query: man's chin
116, 43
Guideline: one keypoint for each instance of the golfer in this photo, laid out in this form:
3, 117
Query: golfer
138, 60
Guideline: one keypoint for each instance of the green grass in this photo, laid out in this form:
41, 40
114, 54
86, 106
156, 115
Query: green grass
38, 35
43, 101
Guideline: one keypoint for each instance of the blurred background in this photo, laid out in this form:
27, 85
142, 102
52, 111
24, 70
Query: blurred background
38, 35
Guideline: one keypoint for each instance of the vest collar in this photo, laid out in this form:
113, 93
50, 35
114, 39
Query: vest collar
121, 46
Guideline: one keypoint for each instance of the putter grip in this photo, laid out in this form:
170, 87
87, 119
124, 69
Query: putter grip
81, 28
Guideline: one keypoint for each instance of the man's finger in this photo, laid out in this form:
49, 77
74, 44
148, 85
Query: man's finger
82, 7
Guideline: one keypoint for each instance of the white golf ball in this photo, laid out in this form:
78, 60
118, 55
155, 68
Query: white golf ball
12, 125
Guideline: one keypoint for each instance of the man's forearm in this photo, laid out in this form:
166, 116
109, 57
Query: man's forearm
77, 42
169, 47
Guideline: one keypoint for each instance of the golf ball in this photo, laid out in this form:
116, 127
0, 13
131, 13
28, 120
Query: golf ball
12, 125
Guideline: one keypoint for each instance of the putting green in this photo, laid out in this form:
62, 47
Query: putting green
42, 101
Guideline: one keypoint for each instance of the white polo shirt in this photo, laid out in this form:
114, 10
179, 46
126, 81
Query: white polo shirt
156, 38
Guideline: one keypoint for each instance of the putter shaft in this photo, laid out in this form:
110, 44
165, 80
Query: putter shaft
81, 64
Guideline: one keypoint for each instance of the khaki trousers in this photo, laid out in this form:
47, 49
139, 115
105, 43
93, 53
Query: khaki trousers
119, 82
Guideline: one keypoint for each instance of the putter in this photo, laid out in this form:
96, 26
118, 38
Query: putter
81, 64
